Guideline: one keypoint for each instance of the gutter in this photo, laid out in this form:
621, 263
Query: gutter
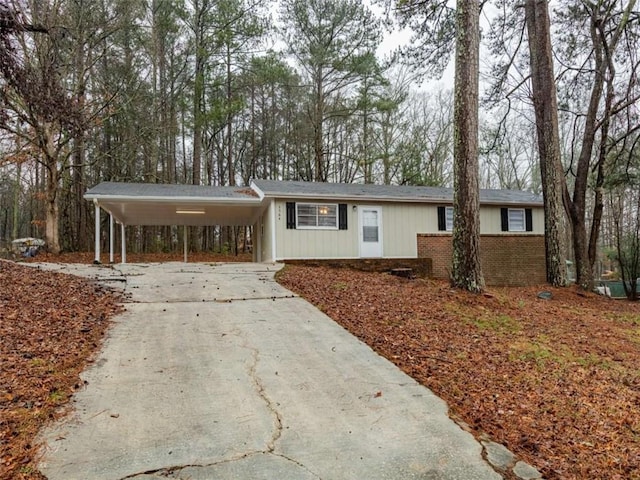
359, 198
163, 199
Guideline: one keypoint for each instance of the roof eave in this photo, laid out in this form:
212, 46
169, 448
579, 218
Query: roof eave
360, 198
172, 199
352, 198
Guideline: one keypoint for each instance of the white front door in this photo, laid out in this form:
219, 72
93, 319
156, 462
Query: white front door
370, 231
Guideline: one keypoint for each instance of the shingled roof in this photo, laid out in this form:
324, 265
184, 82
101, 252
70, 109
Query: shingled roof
168, 191
353, 191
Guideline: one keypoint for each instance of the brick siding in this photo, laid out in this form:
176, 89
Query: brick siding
507, 259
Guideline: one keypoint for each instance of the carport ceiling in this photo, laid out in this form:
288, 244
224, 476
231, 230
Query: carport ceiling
161, 204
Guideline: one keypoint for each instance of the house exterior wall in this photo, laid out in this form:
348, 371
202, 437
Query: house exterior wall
314, 243
401, 224
490, 220
508, 259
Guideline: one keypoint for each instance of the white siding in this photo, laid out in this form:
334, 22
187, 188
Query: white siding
490, 220
315, 243
401, 222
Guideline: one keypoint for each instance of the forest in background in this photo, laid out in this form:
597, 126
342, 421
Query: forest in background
218, 92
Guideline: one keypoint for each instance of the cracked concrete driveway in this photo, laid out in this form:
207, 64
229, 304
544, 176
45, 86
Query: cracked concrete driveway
217, 372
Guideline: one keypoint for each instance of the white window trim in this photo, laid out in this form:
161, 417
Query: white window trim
322, 227
447, 227
524, 220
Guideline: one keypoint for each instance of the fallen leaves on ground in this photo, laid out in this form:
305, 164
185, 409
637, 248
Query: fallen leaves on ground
556, 381
51, 325
88, 257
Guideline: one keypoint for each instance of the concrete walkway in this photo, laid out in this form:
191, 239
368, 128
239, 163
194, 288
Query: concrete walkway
217, 372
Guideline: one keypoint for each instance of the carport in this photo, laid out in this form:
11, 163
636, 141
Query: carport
135, 204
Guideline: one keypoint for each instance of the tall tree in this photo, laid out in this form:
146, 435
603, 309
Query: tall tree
329, 39
426, 156
34, 94
238, 27
546, 109
199, 23
466, 268
606, 26
593, 41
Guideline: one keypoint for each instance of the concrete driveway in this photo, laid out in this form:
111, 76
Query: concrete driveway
217, 372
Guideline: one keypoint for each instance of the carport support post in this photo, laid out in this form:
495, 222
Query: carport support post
97, 240
184, 241
123, 244
110, 238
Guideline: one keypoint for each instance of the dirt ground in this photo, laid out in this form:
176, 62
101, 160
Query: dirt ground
557, 381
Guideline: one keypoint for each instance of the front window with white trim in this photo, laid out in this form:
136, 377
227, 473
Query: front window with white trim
517, 222
317, 215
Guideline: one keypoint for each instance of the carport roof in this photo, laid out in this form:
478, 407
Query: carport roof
168, 191
168, 204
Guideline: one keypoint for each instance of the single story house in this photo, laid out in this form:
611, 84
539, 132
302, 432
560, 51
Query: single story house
295, 220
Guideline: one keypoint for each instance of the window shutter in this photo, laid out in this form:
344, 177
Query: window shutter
442, 219
342, 216
504, 219
291, 215
528, 216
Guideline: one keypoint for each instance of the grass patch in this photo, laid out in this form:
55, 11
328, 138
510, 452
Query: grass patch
340, 285
498, 323
531, 351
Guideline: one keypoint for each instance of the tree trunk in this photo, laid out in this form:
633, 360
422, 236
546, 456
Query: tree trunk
16, 202
467, 271
318, 131
230, 164
198, 90
52, 182
546, 110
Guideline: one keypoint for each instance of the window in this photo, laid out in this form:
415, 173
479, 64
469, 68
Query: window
448, 213
370, 225
315, 215
319, 216
445, 219
516, 219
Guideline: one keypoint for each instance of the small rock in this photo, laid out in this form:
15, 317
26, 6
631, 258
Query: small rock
545, 295
498, 455
526, 472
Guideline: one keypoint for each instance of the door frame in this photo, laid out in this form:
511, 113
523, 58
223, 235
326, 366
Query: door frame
361, 209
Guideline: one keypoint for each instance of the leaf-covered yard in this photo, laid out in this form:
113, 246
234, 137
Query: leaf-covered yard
50, 326
557, 381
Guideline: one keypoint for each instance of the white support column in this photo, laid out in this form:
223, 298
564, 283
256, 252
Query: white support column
97, 233
123, 244
184, 241
110, 238
273, 230
256, 240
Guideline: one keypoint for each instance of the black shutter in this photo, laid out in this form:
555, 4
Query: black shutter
342, 216
528, 219
442, 219
504, 217
291, 215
